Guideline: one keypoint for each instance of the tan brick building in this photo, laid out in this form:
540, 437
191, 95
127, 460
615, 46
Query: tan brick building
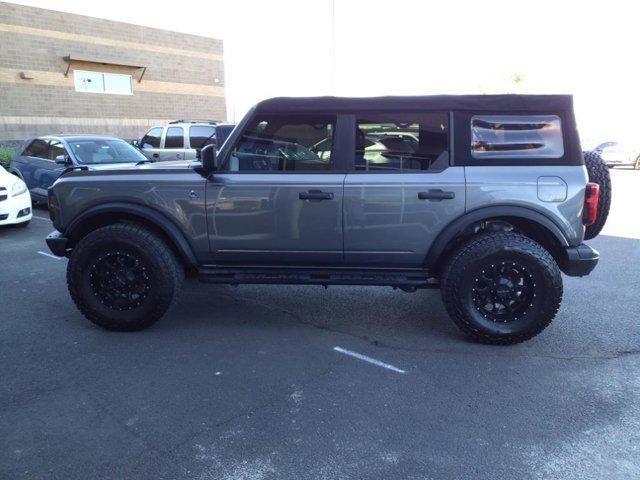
65, 73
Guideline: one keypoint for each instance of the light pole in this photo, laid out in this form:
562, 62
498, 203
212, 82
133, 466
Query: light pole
333, 47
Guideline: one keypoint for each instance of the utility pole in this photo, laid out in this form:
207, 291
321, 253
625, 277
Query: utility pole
333, 47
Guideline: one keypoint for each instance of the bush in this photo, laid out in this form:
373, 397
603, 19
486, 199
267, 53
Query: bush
6, 154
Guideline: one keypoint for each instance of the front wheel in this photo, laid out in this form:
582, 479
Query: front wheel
501, 288
123, 277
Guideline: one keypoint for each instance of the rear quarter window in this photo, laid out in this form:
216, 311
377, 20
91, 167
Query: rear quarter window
199, 136
516, 136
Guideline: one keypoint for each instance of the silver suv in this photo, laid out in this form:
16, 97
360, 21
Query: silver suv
484, 197
181, 140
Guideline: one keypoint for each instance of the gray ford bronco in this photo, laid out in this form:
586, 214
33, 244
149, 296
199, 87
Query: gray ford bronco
484, 197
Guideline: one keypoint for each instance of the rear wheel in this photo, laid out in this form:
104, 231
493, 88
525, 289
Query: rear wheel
123, 277
637, 164
598, 173
501, 288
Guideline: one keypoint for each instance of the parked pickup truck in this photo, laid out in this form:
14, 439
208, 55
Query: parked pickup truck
484, 197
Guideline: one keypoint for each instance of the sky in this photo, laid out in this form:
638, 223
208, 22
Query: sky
413, 47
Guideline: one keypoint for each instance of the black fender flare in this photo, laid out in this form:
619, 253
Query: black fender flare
158, 219
461, 223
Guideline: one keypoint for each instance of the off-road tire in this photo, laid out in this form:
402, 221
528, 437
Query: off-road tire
598, 173
163, 272
467, 263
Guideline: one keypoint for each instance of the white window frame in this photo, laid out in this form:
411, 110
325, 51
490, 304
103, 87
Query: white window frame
105, 75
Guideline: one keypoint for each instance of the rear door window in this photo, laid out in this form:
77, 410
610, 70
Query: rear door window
516, 136
201, 135
39, 148
174, 138
401, 142
152, 138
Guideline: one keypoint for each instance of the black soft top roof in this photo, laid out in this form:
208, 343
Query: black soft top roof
527, 103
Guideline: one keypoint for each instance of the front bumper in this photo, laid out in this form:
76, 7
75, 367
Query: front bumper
580, 260
15, 209
57, 243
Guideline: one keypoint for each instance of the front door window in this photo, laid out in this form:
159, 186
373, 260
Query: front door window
285, 143
152, 138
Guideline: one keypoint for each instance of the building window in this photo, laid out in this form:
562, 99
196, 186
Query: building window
99, 82
521, 136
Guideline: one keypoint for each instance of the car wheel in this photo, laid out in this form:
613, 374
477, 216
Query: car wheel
636, 165
501, 288
598, 173
123, 277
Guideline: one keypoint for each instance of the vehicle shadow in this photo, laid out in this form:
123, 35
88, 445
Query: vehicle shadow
383, 316
375, 314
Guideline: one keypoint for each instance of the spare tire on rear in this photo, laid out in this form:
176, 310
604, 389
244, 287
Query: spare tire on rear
598, 173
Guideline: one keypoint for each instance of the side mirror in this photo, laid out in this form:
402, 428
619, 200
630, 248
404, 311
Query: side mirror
208, 158
63, 160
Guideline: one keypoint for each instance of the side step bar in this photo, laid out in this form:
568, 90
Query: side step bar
233, 275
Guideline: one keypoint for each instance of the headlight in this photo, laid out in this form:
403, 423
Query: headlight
19, 187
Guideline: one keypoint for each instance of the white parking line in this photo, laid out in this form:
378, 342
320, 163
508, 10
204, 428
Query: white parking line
49, 255
368, 359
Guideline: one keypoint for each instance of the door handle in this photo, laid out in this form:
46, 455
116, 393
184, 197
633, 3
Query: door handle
436, 195
315, 195
155, 155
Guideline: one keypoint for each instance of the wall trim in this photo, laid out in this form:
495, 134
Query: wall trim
110, 42
57, 79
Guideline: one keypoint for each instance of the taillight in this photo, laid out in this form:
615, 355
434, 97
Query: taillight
52, 204
590, 209
51, 199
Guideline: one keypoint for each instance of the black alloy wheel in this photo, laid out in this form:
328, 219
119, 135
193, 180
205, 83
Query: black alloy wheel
501, 288
123, 277
119, 280
503, 292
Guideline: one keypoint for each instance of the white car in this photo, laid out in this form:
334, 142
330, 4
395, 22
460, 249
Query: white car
619, 154
15, 201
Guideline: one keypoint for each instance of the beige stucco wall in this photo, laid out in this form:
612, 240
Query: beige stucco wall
184, 76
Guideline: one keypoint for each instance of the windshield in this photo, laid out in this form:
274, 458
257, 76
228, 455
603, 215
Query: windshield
101, 151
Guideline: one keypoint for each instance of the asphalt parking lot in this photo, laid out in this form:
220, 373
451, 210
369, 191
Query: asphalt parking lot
247, 383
